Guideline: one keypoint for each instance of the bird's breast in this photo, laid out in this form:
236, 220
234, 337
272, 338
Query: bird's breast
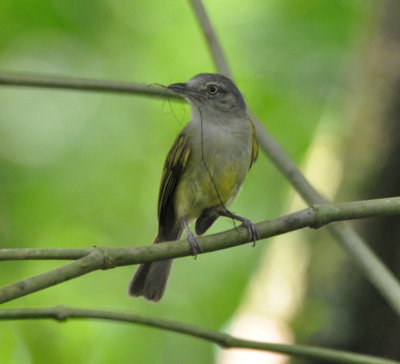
219, 162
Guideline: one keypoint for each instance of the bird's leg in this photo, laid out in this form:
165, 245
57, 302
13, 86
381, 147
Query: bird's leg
191, 238
251, 228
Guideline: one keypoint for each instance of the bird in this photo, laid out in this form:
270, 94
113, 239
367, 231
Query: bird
203, 172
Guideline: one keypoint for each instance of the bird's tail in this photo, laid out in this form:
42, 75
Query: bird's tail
151, 279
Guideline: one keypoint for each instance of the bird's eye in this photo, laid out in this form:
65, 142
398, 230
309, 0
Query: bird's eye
212, 89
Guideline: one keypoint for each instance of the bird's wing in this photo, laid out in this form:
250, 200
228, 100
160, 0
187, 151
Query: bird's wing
174, 167
254, 144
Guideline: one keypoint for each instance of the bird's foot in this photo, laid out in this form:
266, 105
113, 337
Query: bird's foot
194, 244
254, 235
192, 240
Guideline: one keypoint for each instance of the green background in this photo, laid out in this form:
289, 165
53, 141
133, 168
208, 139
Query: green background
79, 169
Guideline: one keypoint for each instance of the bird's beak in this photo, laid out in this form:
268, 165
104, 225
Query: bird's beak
180, 88
184, 90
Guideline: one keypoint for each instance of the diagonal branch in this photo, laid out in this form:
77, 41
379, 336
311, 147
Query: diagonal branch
212, 41
226, 341
89, 260
383, 280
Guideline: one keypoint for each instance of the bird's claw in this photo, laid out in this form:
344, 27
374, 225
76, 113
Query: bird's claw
194, 244
254, 235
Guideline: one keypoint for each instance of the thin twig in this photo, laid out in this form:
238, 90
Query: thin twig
89, 260
84, 265
373, 268
82, 84
225, 341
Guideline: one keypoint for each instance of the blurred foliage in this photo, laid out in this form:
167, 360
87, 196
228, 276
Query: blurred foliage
82, 169
359, 318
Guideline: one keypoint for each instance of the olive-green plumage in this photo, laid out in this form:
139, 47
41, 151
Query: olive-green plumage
203, 172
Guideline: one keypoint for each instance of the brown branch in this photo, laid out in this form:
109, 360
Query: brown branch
225, 341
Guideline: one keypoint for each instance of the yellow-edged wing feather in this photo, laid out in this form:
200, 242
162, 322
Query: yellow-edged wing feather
254, 144
174, 167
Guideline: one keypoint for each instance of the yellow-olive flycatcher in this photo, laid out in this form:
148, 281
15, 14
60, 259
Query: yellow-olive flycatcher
203, 172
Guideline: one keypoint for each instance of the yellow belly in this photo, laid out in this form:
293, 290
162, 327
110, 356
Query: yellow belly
198, 191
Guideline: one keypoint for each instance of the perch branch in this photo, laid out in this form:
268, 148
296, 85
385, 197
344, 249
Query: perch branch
88, 260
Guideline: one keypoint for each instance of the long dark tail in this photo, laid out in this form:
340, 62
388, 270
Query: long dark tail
151, 279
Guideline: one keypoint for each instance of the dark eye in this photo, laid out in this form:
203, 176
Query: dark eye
212, 89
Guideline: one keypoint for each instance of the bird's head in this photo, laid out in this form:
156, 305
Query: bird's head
211, 91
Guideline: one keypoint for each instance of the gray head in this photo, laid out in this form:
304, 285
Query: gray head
211, 91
